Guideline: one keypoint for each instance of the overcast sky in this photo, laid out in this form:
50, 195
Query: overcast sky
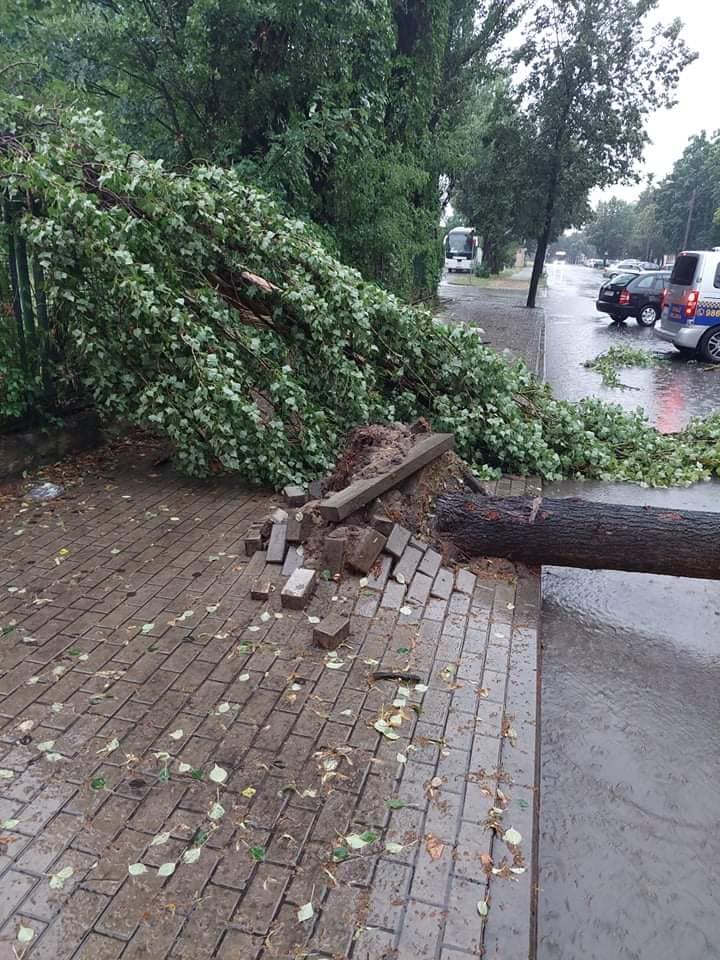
698, 103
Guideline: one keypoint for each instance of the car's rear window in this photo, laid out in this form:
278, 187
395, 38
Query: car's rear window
683, 272
622, 279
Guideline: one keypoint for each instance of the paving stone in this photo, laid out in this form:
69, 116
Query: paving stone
277, 543
465, 581
297, 592
393, 596
430, 563
331, 632
407, 564
397, 541
366, 550
382, 523
315, 489
443, 585
292, 561
295, 496
418, 544
263, 588
253, 539
420, 588
379, 573
334, 554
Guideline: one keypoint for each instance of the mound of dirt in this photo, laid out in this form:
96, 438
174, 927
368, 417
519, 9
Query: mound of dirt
370, 451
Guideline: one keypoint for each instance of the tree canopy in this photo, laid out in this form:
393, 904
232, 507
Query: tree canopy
191, 304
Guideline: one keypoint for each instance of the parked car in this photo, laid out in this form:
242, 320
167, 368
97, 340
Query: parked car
690, 316
625, 266
634, 295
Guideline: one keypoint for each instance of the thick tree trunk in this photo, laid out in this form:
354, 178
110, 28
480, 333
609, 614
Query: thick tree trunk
581, 533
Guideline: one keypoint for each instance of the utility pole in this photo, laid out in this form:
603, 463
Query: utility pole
691, 209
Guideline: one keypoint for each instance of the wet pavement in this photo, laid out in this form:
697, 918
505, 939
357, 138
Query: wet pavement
671, 392
629, 818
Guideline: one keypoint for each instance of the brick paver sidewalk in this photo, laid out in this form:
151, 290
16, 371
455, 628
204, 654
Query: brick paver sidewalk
152, 714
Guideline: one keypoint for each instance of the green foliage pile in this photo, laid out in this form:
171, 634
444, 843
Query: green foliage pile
621, 357
191, 304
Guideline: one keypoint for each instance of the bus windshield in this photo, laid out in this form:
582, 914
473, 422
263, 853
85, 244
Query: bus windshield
460, 244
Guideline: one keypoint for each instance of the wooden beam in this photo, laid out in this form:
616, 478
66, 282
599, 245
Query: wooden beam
358, 494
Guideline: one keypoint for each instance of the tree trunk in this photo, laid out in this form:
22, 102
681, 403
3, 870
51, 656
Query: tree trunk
581, 533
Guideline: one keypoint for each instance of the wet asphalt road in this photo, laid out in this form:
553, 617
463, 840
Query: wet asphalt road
630, 742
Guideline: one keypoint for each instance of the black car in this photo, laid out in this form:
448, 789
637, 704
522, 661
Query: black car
634, 295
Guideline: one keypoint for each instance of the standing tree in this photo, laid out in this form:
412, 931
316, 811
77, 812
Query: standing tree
595, 70
610, 230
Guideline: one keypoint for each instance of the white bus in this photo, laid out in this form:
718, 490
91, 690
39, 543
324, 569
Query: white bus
462, 250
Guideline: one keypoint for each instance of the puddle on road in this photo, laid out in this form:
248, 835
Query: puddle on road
629, 815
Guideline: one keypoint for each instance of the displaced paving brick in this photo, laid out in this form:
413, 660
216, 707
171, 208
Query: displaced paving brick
367, 549
331, 632
420, 588
430, 563
418, 544
443, 585
277, 544
397, 541
465, 581
296, 496
292, 561
334, 554
253, 539
315, 489
382, 523
299, 589
393, 596
378, 576
262, 588
407, 564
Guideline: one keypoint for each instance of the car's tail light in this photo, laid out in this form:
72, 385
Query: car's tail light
663, 298
624, 297
692, 303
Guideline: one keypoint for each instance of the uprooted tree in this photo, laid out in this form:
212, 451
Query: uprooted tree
188, 302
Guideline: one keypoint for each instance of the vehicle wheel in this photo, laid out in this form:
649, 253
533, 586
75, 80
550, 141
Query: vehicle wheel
618, 317
709, 346
648, 316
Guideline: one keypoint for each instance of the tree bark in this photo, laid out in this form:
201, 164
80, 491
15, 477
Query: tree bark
581, 533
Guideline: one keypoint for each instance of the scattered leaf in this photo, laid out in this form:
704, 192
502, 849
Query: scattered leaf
313, 619
97, 783
110, 746
518, 871
265, 616
394, 847
403, 649
53, 757
405, 610
356, 841
57, 880
136, 869
386, 730
434, 846
512, 836
257, 853
248, 792
400, 578
223, 708
184, 767
177, 734
7, 774
25, 934
339, 854
9, 824
196, 774
166, 869
147, 627
306, 912
57, 707
395, 803
192, 855
243, 677
334, 664
26, 726
159, 839
401, 758
218, 775
482, 908
217, 810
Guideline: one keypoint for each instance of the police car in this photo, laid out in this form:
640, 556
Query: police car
690, 314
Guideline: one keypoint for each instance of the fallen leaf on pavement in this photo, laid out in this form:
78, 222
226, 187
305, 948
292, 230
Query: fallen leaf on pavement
434, 846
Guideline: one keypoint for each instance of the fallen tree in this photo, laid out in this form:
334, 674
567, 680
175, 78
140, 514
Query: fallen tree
579, 533
189, 303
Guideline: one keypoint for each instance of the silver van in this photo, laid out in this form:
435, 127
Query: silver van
690, 315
